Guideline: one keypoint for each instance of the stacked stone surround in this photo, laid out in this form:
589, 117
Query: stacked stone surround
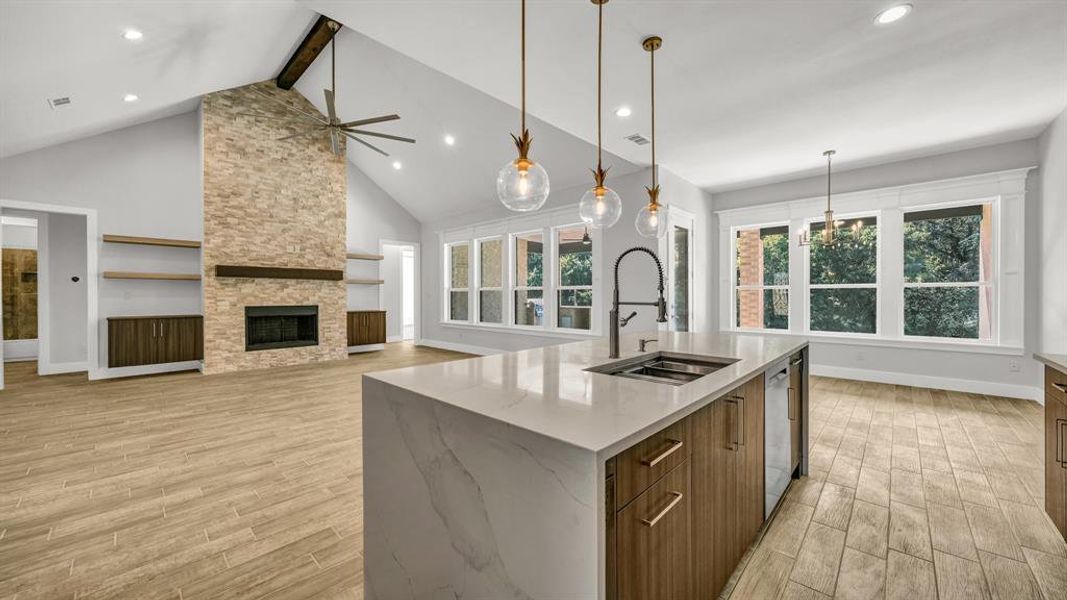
269, 203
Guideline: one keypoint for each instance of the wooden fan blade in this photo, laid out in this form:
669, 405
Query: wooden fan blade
370, 121
375, 148
381, 135
331, 109
265, 96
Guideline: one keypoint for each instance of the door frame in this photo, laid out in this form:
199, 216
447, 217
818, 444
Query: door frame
92, 275
417, 249
681, 218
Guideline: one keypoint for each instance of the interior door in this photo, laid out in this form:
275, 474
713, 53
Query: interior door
679, 252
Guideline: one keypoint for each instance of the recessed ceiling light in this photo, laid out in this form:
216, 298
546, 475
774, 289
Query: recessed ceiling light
893, 14
132, 34
131, 98
623, 111
397, 165
451, 141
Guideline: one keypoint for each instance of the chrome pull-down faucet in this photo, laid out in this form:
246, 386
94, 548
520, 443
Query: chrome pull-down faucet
613, 316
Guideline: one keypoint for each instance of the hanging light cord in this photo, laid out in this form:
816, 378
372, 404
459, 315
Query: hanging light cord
828, 158
652, 57
599, 76
333, 63
523, 60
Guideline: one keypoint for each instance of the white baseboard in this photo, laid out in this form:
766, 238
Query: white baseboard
928, 381
365, 348
467, 348
58, 368
15, 359
112, 373
394, 338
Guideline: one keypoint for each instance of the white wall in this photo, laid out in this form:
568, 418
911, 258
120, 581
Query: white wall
373, 216
992, 373
143, 180
637, 273
67, 299
1051, 234
22, 237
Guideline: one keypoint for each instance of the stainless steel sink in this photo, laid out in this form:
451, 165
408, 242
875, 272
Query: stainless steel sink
664, 367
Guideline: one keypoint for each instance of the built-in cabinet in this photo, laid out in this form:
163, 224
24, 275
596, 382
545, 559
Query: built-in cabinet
1056, 447
366, 327
685, 504
150, 340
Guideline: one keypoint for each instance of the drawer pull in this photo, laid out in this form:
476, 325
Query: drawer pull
796, 363
652, 522
1061, 387
1061, 441
791, 398
674, 445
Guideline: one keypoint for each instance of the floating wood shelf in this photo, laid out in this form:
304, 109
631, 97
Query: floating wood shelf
156, 276
278, 272
363, 256
366, 281
150, 241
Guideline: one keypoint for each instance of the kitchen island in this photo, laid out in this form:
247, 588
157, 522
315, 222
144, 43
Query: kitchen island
528, 475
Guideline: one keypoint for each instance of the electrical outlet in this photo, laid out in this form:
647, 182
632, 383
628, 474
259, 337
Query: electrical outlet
1013, 365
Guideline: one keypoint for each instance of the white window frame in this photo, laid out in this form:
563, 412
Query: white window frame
1004, 190
547, 222
515, 287
994, 317
736, 288
876, 286
447, 304
478, 288
557, 281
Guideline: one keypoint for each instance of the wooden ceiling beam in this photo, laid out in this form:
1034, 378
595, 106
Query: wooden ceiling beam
314, 42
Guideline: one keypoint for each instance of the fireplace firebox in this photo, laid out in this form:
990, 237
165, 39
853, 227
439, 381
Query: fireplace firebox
269, 327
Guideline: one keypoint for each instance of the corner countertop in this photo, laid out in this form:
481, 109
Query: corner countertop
548, 391
1056, 361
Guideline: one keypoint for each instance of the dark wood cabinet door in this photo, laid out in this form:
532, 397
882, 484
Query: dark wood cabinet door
181, 339
132, 342
1056, 449
653, 544
714, 474
366, 327
796, 392
750, 475
646, 461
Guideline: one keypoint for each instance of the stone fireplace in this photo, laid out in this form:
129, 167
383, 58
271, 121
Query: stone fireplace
274, 204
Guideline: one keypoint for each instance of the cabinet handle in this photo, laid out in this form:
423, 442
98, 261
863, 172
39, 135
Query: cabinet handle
652, 522
161, 328
791, 394
674, 445
1061, 387
796, 363
740, 420
153, 329
732, 445
1060, 458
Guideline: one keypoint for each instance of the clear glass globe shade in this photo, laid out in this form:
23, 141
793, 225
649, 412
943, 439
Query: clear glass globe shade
600, 212
522, 190
652, 223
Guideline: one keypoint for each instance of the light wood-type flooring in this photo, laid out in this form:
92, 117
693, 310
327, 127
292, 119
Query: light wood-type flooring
249, 485
914, 494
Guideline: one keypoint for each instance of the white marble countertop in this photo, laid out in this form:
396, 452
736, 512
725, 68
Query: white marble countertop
1056, 361
548, 391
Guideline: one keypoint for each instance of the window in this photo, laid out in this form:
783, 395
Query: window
843, 277
490, 276
761, 278
458, 279
575, 283
947, 271
529, 253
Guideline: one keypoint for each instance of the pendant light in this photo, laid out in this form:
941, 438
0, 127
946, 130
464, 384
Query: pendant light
651, 220
522, 184
829, 226
600, 206
586, 240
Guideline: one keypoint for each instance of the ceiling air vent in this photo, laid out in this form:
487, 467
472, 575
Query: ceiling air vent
638, 139
59, 102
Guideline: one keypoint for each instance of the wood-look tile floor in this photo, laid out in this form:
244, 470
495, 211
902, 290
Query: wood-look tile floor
249, 486
187, 487
913, 494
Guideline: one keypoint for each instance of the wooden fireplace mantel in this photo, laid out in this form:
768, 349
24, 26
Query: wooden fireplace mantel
278, 272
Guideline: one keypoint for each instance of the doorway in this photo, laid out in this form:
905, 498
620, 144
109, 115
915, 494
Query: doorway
679, 252
18, 290
399, 290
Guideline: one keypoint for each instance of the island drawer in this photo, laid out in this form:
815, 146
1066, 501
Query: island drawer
644, 463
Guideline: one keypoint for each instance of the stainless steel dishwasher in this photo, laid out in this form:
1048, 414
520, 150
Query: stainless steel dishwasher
777, 438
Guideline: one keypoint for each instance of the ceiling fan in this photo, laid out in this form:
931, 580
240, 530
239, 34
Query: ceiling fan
314, 124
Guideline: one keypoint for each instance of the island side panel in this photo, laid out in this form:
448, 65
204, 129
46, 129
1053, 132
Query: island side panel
460, 505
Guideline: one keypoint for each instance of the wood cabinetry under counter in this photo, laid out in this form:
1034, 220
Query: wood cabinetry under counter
1056, 440
366, 327
154, 339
